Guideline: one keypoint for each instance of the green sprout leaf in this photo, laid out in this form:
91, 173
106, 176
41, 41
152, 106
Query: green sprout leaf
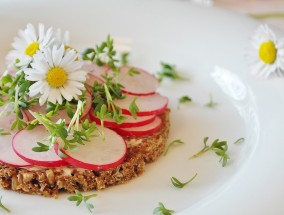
79, 198
132, 71
102, 54
211, 103
124, 58
239, 141
172, 144
3, 207
133, 108
179, 184
169, 71
4, 133
161, 210
41, 147
219, 147
183, 100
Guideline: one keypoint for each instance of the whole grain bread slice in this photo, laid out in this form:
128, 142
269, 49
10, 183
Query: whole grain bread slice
50, 181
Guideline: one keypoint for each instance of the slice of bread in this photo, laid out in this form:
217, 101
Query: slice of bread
49, 181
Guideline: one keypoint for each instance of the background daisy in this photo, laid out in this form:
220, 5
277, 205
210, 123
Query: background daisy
28, 44
267, 54
56, 75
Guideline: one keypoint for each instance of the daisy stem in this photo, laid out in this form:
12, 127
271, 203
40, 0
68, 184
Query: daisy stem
76, 117
267, 15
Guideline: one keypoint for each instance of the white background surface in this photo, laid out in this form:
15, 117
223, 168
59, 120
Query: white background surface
198, 40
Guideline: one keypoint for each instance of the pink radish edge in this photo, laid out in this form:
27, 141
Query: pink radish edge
138, 131
125, 124
77, 163
14, 160
143, 91
94, 162
46, 163
157, 111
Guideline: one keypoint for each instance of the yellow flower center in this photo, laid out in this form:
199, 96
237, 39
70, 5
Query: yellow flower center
267, 52
32, 48
56, 77
68, 47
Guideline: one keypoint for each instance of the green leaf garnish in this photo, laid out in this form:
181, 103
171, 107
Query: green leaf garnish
70, 137
132, 71
171, 144
211, 103
133, 108
41, 147
179, 184
4, 133
219, 147
14, 90
183, 100
3, 207
124, 58
169, 71
161, 210
102, 54
239, 141
79, 198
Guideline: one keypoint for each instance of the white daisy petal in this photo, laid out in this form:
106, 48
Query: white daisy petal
44, 96
78, 76
59, 96
52, 95
70, 56
30, 31
36, 86
76, 84
40, 32
66, 94
73, 66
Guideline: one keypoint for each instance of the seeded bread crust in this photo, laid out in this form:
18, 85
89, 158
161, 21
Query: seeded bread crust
50, 181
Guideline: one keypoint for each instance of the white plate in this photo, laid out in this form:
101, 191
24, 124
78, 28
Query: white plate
207, 45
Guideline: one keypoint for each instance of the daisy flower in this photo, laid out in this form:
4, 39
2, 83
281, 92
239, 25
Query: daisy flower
267, 54
27, 45
56, 75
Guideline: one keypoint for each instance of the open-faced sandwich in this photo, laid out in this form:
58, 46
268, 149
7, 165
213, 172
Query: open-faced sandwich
75, 122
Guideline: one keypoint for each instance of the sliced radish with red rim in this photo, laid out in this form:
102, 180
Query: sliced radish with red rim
94, 69
98, 154
142, 83
92, 78
7, 154
25, 140
148, 105
143, 130
129, 122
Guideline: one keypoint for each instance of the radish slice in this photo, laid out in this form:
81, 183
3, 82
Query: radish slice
25, 140
97, 154
94, 69
92, 78
139, 84
7, 154
143, 130
148, 105
128, 123
62, 114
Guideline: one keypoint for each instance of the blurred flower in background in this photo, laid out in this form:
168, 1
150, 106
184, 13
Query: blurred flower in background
268, 11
